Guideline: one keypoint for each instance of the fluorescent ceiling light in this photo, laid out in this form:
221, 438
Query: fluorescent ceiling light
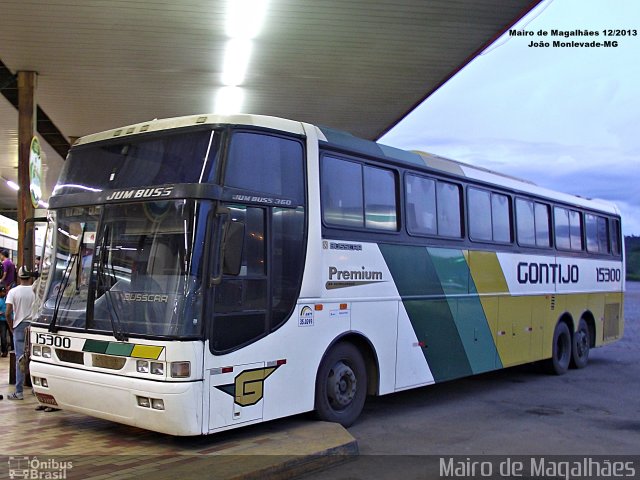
13, 185
245, 18
236, 60
229, 100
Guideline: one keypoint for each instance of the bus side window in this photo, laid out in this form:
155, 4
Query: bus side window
479, 202
266, 163
615, 236
287, 261
561, 223
532, 222
597, 234
342, 197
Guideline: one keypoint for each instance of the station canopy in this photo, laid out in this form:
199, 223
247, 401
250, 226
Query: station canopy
354, 65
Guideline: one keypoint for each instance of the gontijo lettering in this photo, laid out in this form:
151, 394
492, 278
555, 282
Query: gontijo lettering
547, 273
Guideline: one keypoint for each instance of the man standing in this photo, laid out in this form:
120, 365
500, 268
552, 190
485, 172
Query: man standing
19, 302
4, 332
9, 269
4, 329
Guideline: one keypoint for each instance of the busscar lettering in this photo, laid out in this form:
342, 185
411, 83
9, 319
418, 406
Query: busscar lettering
345, 246
156, 192
545, 273
146, 297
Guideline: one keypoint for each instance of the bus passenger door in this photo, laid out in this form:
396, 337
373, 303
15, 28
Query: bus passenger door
254, 295
235, 394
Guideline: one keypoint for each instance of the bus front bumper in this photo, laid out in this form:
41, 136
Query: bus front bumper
174, 408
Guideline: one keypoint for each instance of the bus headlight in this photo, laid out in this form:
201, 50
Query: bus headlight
35, 381
157, 368
180, 369
143, 402
142, 366
36, 351
46, 352
157, 404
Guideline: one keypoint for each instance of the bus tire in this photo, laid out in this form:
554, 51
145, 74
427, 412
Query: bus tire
580, 346
558, 364
341, 385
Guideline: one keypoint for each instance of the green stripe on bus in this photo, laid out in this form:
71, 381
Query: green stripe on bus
444, 308
95, 346
121, 349
468, 314
423, 296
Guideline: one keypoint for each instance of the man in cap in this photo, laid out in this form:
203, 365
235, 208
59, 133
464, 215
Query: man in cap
19, 303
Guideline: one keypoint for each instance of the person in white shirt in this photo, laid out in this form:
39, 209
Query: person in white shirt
19, 303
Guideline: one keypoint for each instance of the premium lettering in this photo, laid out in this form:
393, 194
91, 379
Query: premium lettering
335, 274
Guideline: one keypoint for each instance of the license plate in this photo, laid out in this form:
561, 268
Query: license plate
46, 399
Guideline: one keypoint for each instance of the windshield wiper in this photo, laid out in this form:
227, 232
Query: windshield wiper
116, 326
64, 283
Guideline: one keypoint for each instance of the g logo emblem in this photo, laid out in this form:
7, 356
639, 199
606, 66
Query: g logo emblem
248, 388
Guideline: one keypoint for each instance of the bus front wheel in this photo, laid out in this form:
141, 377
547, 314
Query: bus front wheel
558, 364
341, 385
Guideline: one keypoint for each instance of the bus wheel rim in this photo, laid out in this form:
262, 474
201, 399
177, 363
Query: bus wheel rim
581, 343
342, 385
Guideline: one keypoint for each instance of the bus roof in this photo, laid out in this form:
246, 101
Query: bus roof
348, 142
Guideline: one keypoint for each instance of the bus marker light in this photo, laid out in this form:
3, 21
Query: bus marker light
318, 307
157, 404
226, 369
277, 363
344, 306
143, 402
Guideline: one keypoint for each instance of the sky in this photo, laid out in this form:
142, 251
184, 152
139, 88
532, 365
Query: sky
566, 118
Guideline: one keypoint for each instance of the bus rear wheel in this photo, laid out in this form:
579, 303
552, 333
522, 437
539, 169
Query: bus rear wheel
558, 364
580, 347
341, 385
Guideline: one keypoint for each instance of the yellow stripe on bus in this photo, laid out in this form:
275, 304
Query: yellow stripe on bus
146, 351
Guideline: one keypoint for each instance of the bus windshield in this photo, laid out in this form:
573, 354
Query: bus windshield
178, 157
128, 269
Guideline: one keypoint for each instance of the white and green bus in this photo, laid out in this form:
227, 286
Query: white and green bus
207, 272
